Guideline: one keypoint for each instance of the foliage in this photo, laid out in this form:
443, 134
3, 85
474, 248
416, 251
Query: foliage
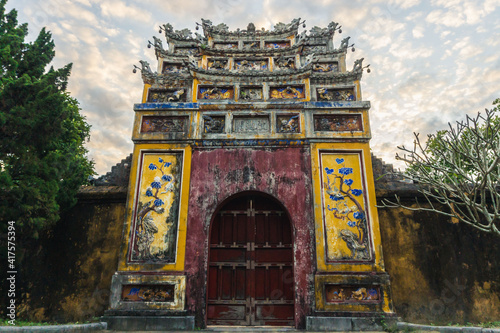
459, 168
42, 156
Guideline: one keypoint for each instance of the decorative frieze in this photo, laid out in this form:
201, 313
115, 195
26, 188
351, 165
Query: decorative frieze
251, 93
352, 294
287, 92
169, 67
282, 63
215, 93
251, 64
166, 95
218, 64
338, 122
288, 123
185, 50
252, 45
325, 67
148, 293
214, 124
163, 124
249, 124
331, 94
225, 46
277, 45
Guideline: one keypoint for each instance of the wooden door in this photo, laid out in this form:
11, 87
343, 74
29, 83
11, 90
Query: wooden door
250, 270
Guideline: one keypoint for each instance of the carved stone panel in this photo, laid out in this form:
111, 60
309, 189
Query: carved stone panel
215, 92
277, 45
163, 124
251, 45
314, 49
338, 123
226, 46
169, 67
247, 124
352, 294
186, 50
282, 63
325, 67
330, 94
218, 64
289, 123
166, 95
214, 124
251, 93
251, 64
148, 293
287, 92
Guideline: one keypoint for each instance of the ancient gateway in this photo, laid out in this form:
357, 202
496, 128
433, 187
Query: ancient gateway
251, 197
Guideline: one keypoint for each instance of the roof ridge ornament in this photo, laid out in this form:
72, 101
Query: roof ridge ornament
223, 29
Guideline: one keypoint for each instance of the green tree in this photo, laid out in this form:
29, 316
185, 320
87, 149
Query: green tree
459, 168
42, 133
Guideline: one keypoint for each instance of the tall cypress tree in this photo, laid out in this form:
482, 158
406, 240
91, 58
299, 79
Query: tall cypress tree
42, 133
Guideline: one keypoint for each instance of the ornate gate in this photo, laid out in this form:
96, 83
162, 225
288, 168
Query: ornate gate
250, 270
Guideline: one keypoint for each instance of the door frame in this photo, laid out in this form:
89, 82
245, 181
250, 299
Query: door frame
214, 215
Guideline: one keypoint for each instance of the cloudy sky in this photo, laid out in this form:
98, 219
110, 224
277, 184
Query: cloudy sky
432, 62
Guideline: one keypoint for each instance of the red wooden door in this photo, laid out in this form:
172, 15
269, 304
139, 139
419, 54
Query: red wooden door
250, 270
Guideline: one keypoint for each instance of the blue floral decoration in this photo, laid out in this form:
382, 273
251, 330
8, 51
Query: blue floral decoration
358, 215
167, 164
166, 178
149, 193
356, 192
332, 209
329, 171
152, 167
351, 223
336, 197
155, 184
160, 160
158, 202
348, 182
345, 171
339, 160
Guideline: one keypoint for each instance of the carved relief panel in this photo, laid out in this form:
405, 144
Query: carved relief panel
180, 50
287, 92
249, 124
251, 93
289, 123
332, 94
251, 45
277, 45
218, 64
251, 64
282, 63
215, 93
225, 46
170, 67
163, 124
166, 95
352, 294
325, 67
338, 123
214, 124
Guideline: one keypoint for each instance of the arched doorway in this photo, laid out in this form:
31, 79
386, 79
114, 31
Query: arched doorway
250, 266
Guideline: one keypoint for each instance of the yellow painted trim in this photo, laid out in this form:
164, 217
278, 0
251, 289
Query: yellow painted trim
145, 93
194, 96
307, 83
124, 265
377, 264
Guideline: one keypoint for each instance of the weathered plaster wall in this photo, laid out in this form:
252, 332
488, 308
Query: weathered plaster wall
440, 272
217, 174
66, 274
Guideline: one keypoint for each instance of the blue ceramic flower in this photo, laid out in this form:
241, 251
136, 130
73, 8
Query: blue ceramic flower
149, 192
339, 160
158, 202
336, 197
329, 171
356, 192
160, 160
348, 182
351, 223
358, 215
167, 164
345, 171
166, 178
152, 167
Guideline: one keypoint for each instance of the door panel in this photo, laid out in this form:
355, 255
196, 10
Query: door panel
250, 273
